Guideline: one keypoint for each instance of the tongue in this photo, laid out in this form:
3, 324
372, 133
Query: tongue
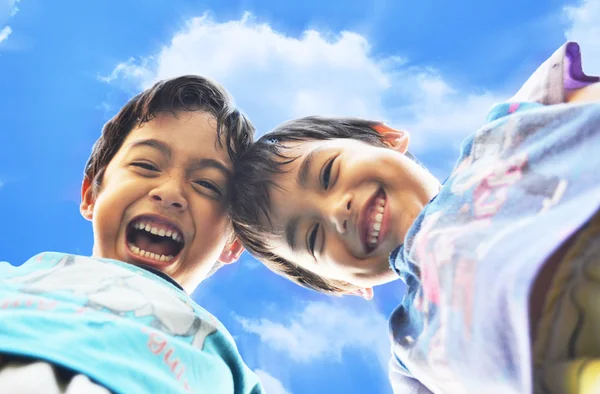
155, 244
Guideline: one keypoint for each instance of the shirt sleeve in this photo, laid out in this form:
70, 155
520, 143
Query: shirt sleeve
560, 73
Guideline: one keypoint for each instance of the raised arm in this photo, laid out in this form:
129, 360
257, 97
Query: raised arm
402, 381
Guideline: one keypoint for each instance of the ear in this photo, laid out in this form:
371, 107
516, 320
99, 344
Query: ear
366, 293
231, 253
395, 139
87, 199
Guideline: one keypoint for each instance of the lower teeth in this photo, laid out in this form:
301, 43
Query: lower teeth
144, 253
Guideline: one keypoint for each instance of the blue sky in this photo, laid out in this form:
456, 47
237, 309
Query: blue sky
432, 67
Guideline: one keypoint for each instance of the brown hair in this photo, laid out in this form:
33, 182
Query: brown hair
253, 179
188, 93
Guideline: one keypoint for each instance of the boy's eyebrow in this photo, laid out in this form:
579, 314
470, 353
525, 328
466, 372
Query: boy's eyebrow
290, 233
152, 143
305, 167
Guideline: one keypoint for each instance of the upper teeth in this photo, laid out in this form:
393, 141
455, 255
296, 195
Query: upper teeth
373, 235
161, 232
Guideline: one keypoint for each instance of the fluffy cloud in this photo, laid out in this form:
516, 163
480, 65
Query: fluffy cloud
270, 384
8, 8
5, 32
323, 330
13, 6
275, 77
585, 29
437, 114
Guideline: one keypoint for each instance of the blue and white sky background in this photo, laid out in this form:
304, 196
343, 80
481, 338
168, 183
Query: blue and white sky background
432, 67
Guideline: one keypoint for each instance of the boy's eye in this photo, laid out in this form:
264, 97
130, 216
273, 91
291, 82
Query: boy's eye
145, 165
312, 238
326, 173
211, 187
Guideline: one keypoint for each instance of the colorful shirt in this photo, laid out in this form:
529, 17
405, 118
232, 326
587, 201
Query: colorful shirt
123, 326
524, 182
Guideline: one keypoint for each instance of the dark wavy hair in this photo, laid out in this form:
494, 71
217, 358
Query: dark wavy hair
187, 93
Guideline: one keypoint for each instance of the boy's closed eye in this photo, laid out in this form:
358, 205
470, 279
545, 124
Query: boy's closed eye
209, 188
328, 176
325, 178
326, 173
146, 166
206, 187
312, 239
326, 182
315, 240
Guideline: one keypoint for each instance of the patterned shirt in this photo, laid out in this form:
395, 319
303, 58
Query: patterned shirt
523, 184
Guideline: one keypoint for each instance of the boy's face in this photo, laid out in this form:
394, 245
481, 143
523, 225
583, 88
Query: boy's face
163, 199
344, 205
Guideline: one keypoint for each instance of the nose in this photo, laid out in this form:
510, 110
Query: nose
170, 196
340, 214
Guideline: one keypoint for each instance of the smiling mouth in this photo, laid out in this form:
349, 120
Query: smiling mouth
371, 231
153, 240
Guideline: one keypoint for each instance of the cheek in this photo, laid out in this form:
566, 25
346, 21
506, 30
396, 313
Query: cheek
368, 168
381, 159
111, 203
105, 209
211, 219
339, 258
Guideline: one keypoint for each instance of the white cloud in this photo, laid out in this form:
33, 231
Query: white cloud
435, 112
13, 7
270, 384
5, 32
273, 76
8, 8
585, 29
324, 330
276, 77
131, 71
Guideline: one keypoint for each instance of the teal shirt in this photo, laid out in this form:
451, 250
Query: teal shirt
129, 329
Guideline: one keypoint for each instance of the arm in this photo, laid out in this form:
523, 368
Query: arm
402, 381
558, 78
585, 94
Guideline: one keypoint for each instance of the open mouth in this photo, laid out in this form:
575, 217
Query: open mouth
154, 239
372, 223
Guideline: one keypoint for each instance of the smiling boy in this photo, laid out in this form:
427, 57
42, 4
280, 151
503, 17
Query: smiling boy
354, 185
501, 262
162, 200
156, 189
